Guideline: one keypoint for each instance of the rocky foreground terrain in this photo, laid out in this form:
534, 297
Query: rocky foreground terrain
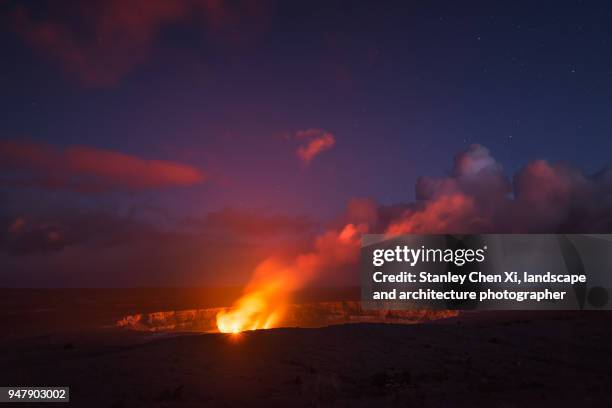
477, 359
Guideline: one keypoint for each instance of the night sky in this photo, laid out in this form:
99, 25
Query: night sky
148, 142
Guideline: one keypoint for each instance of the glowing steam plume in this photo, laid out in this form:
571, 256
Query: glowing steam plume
269, 291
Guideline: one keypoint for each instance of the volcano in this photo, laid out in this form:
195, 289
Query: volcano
115, 351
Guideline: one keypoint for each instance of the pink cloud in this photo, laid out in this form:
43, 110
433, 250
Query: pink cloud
316, 141
88, 169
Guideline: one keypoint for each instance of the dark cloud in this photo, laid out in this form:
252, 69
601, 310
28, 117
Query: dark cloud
252, 224
50, 232
21, 237
98, 248
87, 169
99, 42
45, 233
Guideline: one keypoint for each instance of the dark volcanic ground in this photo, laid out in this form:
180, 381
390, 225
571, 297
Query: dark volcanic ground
479, 359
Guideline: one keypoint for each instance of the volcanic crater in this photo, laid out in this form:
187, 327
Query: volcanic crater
306, 315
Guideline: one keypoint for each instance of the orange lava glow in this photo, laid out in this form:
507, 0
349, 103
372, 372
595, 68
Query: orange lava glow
268, 294
252, 312
264, 301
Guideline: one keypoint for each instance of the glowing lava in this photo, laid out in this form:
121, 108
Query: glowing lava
268, 293
264, 301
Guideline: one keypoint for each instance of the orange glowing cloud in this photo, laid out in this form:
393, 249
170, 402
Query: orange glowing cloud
87, 169
447, 214
316, 142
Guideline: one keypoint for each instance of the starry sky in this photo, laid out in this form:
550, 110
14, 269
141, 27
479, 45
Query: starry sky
266, 115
